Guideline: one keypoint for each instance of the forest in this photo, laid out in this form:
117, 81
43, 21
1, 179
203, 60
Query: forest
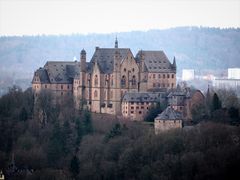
199, 48
43, 139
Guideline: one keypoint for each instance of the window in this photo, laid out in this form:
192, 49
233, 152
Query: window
68, 86
123, 81
159, 76
96, 80
153, 76
172, 85
163, 76
61, 86
45, 86
134, 81
132, 107
95, 93
172, 75
132, 69
153, 84
111, 94
140, 112
167, 75
142, 107
124, 70
137, 107
131, 112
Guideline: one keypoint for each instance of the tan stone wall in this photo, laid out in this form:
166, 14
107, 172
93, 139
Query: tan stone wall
165, 125
161, 80
135, 110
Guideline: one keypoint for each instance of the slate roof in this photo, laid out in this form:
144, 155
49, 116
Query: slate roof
144, 96
105, 56
62, 71
42, 74
156, 61
169, 114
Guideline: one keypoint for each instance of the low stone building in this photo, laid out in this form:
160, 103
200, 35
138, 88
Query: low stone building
136, 105
168, 119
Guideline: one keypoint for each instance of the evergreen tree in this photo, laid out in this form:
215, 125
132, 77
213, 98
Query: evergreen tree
74, 166
216, 103
153, 112
79, 130
87, 122
23, 114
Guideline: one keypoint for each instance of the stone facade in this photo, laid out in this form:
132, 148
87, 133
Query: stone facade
167, 120
101, 84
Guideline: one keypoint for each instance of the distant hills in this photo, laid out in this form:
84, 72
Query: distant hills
193, 47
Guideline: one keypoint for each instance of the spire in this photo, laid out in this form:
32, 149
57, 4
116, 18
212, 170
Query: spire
116, 43
174, 62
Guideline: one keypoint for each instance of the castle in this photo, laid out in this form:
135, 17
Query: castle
113, 82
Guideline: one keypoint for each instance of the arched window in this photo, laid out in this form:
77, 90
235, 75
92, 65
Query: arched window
111, 80
134, 80
95, 94
123, 81
96, 80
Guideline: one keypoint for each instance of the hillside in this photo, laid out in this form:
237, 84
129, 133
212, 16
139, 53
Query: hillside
198, 48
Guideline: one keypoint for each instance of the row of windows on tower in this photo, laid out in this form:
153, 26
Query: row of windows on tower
163, 76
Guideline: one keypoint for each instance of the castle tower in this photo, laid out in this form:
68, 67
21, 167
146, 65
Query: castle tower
142, 73
117, 81
82, 76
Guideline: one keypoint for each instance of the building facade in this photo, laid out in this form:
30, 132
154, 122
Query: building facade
111, 75
167, 120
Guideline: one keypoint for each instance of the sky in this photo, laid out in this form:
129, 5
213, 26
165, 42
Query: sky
33, 17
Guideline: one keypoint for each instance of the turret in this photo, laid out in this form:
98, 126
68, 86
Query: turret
174, 63
116, 43
83, 61
141, 61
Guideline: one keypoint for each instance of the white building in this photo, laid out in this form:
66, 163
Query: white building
188, 74
233, 73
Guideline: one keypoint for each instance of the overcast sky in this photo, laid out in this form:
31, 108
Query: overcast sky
28, 17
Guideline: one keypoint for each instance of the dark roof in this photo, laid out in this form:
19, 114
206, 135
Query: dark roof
143, 96
156, 61
42, 74
62, 71
169, 114
105, 57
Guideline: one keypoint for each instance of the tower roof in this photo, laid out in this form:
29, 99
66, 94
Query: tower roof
169, 114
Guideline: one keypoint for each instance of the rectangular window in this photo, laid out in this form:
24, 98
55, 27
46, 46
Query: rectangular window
142, 107
131, 112
172, 75
61, 86
153, 76
132, 107
45, 86
140, 112
132, 102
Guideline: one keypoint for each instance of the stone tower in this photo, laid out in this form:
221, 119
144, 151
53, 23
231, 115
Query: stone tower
116, 86
82, 75
142, 73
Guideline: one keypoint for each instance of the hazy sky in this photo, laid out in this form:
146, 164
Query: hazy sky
27, 17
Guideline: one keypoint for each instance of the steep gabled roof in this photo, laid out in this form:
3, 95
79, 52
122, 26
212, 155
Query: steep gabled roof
62, 71
169, 114
105, 57
156, 61
42, 74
